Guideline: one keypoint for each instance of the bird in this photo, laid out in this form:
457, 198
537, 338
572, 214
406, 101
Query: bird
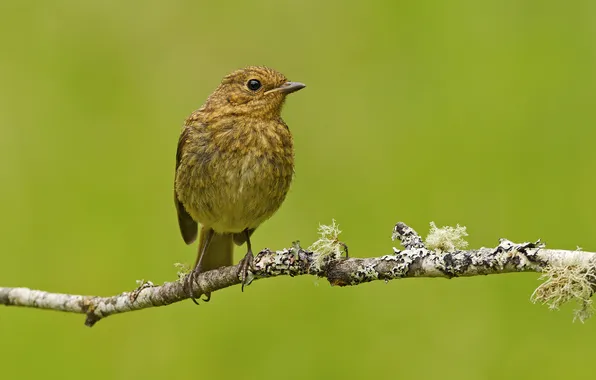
234, 167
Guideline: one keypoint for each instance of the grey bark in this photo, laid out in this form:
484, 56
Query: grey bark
414, 261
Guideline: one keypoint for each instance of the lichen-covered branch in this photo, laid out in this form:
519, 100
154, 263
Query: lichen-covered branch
568, 275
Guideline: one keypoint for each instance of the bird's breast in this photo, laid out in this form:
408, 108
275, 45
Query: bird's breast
238, 175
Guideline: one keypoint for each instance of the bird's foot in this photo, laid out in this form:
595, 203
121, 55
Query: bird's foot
246, 264
191, 279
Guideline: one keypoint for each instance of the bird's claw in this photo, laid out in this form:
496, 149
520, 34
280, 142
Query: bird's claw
189, 281
246, 264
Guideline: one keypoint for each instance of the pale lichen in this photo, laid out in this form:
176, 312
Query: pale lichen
365, 273
446, 239
564, 283
328, 246
182, 270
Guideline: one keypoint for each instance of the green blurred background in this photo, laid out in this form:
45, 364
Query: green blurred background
473, 112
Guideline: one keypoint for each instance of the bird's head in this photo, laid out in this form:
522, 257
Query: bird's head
254, 91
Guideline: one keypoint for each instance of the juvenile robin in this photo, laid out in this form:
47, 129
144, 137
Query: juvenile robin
234, 166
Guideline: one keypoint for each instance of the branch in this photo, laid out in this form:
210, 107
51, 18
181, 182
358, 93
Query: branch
568, 275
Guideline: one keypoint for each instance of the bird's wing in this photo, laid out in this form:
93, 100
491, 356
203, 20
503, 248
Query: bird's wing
188, 227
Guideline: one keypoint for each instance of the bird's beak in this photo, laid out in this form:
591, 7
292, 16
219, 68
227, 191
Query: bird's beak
288, 88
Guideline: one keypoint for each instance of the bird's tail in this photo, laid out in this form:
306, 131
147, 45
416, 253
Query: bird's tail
219, 253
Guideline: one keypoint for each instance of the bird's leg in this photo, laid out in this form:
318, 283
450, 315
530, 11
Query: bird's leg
247, 262
192, 276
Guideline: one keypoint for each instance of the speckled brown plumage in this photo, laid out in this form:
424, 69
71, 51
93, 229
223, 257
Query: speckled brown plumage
234, 164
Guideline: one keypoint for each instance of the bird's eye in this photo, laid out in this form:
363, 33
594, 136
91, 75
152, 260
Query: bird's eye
253, 84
